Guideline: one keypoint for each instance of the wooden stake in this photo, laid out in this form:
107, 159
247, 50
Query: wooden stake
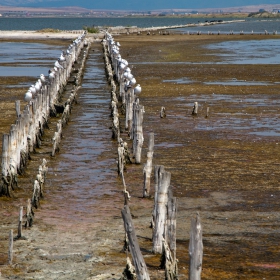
29, 214
195, 249
195, 108
207, 112
162, 112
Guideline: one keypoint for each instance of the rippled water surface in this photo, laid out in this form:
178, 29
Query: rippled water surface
27, 59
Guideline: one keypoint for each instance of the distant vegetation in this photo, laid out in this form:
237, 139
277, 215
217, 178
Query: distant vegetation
49, 30
91, 29
264, 14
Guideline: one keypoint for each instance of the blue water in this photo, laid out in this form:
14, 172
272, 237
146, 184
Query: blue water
32, 59
79, 23
247, 52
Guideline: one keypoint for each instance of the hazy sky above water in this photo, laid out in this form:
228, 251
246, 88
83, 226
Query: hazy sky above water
138, 4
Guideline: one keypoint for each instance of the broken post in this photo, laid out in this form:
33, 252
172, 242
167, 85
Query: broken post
138, 260
195, 249
169, 263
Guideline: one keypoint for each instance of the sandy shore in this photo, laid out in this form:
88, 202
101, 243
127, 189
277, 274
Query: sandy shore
16, 34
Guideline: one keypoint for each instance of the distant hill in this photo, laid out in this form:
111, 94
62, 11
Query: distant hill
11, 6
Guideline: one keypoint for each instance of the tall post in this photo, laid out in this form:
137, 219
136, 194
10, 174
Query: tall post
161, 211
195, 249
138, 138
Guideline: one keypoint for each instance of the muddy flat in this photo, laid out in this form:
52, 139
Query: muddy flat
224, 166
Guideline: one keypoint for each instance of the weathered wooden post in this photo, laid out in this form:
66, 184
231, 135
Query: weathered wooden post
161, 212
29, 214
195, 249
195, 109
5, 187
138, 260
162, 112
20, 222
12, 169
138, 138
129, 109
11, 245
17, 103
158, 170
36, 194
207, 112
149, 166
171, 223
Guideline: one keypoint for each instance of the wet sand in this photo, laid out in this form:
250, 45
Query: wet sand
226, 167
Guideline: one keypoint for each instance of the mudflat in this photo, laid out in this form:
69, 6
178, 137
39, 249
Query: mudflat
224, 166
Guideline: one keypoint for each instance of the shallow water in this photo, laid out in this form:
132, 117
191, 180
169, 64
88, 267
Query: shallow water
247, 52
239, 119
85, 168
233, 82
30, 58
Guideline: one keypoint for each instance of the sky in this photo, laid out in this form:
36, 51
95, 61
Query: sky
144, 5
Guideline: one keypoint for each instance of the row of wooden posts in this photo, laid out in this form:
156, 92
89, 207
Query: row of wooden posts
163, 223
25, 135
54, 88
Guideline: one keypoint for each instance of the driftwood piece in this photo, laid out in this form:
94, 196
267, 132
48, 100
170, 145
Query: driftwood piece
148, 167
195, 249
161, 212
138, 260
